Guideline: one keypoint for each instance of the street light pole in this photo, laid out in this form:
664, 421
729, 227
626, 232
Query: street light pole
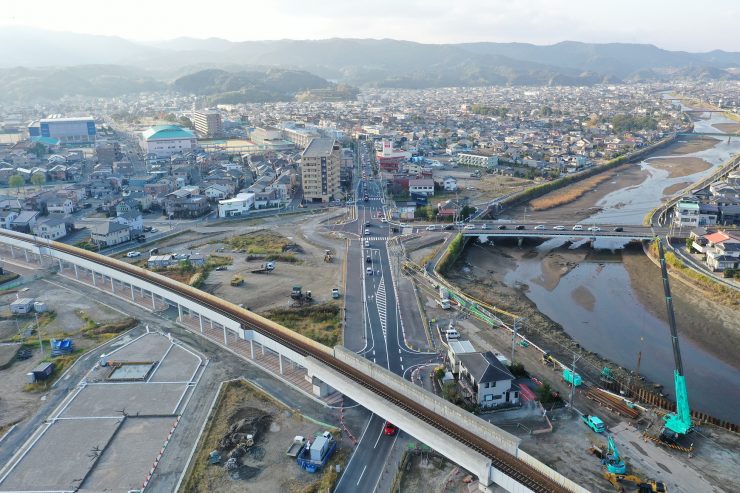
573, 379
517, 328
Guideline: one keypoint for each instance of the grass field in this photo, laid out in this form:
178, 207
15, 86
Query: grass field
318, 322
569, 193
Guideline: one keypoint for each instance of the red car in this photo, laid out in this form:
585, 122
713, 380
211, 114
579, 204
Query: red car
389, 428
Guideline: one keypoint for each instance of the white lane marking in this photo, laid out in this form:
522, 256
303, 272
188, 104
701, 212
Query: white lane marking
361, 474
401, 367
378, 440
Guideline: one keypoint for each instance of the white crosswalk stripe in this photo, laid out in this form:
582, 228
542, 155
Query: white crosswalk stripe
375, 238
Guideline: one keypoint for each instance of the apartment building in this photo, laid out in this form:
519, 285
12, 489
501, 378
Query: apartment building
320, 170
208, 123
477, 160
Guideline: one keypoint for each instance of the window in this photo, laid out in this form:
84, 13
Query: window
488, 397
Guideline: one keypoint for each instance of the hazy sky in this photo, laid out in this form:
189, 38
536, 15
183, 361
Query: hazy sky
670, 24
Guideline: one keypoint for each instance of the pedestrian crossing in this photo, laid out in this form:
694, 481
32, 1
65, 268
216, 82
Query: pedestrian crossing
375, 238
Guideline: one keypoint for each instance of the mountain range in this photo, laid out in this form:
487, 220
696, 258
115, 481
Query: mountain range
359, 62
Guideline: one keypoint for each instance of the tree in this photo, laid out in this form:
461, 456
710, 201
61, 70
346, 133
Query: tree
16, 181
38, 179
689, 244
544, 393
38, 149
185, 122
728, 273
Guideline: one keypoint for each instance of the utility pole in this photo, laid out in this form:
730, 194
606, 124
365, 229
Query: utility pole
517, 327
38, 331
573, 378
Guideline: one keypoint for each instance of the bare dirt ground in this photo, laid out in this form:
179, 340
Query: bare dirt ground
679, 166
688, 146
482, 189
730, 128
15, 403
425, 474
711, 325
265, 466
261, 292
668, 191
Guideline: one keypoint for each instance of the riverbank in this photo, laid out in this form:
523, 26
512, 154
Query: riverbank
679, 166
577, 299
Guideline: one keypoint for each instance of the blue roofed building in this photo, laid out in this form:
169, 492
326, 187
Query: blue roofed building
165, 140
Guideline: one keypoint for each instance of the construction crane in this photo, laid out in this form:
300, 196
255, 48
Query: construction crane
612, 461
643, 486
676, 424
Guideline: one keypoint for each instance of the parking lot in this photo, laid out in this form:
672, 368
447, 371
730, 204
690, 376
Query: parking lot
106, 436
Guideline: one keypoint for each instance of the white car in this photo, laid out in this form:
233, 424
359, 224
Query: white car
469, 226
133, 254
367, 232
154, 230
540, 226
594, 228
369, 271
431, 227
577, 227
484, 226
383, 220
558, 228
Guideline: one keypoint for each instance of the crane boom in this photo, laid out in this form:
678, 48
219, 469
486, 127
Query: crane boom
678, 423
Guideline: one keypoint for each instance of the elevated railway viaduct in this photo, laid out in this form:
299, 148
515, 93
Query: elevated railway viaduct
485, 450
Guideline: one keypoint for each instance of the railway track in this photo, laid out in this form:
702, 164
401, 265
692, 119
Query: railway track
501, 460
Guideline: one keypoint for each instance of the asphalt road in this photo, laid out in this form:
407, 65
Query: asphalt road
373, 329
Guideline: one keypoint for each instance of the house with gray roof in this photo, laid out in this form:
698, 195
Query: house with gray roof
486, 378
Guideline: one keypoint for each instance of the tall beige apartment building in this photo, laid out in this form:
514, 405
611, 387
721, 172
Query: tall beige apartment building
320, 170
208, 123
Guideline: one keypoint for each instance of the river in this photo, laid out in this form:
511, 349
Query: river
598, 305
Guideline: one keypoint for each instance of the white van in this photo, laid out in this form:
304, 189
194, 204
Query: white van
369, 271
452, 334
578, 227
367, 244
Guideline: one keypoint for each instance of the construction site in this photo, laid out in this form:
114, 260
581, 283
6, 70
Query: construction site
112, 430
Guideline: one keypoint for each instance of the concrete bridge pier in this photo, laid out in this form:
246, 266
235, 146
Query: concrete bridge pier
519, 241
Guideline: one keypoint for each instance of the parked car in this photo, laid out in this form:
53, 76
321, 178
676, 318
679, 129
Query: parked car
578, 227
540, 227
133, 254
558, 228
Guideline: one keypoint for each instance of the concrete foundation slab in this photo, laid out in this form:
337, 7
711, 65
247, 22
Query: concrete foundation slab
178, 366
129, 457
149, 348
133, 398
62, 457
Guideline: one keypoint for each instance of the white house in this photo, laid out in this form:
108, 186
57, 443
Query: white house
455, 349
424, 186
686, 213
50, 228
449, 184
237, 206
133, 220
110, 233
489, 379
6, 218
60, 205
216, 192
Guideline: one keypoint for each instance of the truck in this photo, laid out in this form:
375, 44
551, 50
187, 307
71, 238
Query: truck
572, 378
295, 448
237, 281
444, 303
594, 422
314, 455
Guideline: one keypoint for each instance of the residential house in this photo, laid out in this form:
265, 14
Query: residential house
216, 191
24, 221
729, 214
237, 206
186, 203
449, 184
725, 255
686, 213
132, 219
126, 206
488, 380
109, 233
60, 204
451, 208
51, 228
708, 214
6, 218
423, 186
455, 349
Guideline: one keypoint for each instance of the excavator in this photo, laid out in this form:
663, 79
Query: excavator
643, 486
613, 462
678, 424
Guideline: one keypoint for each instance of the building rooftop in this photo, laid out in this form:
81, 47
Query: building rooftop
167, 132
485, 367
319, 148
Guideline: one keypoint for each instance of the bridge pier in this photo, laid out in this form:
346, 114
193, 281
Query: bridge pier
519, 241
